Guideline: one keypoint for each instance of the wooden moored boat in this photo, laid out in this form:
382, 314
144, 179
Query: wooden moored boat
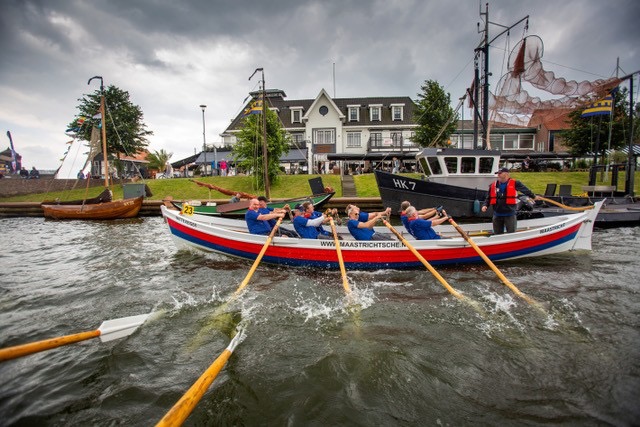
102, 206
240, 208
320, 195
543, 236
127, 208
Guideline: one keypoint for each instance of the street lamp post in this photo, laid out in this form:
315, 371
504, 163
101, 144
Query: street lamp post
204, 145
204, 138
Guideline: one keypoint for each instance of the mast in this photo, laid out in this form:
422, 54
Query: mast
265, 163
267, 191
104, 130
484, 48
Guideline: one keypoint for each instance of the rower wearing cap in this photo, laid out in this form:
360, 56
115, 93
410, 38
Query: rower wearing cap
308, 223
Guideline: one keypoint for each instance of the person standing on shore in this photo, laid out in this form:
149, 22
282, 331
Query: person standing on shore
503, 198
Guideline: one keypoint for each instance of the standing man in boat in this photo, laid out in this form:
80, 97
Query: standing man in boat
503, 198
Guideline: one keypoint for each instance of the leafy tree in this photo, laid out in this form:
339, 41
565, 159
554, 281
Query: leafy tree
433, 115
126, 132
158, 159
582, 137
248, 148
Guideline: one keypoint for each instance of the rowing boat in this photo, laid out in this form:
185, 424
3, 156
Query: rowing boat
536, 237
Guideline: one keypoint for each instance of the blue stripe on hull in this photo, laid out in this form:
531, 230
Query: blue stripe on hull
364, 265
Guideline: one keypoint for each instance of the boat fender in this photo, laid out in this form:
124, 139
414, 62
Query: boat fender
476, 207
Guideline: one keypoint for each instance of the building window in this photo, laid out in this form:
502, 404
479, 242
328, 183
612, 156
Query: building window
376, 139
513, 141
297, 138
325, 136
296, 115
353, 139
354, 113
397, 112
525, 142
396, 137
374, 112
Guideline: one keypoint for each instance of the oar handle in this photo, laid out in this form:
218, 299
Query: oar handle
490, 263
259, 257
34, 347
343, 270
183, 408
569, 208
424, 261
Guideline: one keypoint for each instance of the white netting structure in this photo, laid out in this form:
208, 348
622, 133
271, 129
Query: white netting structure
511, 103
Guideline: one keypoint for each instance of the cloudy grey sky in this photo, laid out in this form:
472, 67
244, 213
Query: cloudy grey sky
171, 56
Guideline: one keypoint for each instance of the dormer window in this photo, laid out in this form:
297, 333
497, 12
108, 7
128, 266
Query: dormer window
397, 112
354, 113
375, 113
296, 114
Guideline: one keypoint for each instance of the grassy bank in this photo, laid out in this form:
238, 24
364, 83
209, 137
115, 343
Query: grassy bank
289, 186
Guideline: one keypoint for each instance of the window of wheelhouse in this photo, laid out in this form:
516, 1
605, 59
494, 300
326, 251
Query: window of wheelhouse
430, 165
486, 164
451, 163
468, 165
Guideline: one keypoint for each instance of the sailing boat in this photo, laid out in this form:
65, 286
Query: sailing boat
101, 207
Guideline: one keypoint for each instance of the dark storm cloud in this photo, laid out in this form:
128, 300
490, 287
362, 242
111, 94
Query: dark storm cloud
174, 55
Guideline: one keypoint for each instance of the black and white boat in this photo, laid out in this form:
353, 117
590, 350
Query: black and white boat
458, 180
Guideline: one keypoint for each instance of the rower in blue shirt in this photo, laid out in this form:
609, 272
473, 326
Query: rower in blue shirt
258, 223
363, 230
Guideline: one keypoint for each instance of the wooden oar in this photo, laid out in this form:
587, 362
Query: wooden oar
108, 330
219, 316
424, 261
345, 281
490, 263
259, 258
569, 208
183, 408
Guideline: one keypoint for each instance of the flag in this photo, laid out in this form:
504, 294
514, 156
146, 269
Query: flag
470, 92
97, 116
253, 108
601, 107
81, 120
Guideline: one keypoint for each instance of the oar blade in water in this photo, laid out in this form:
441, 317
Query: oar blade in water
119, 328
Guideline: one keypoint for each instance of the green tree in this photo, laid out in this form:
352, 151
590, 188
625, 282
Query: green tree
582, 137
158, 159
126, 132
434, 115
248, 148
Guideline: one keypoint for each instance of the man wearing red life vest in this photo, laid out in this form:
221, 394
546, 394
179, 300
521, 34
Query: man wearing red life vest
503, 198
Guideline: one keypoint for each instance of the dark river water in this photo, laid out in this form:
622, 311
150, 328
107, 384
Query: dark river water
407, 353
